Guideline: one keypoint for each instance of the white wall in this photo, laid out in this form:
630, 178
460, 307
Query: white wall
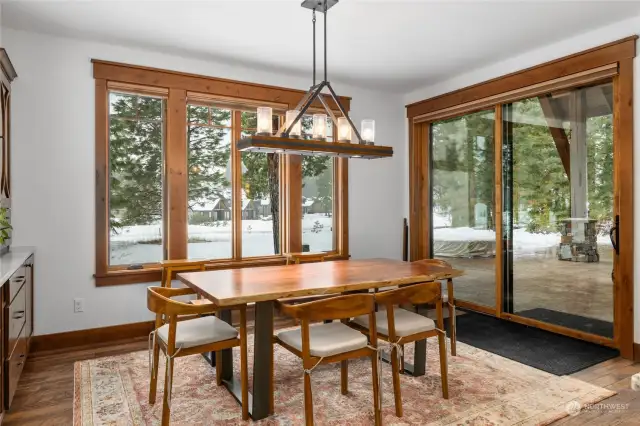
550, 52
53, 172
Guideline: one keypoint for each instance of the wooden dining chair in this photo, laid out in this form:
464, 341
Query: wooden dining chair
178, 337
447, 299
400, 326
180, 265
183, 265
297, 259
333, 342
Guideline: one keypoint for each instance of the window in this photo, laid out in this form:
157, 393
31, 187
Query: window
317, 196
210, 196
136, 137
463, 192
171, 183
260, 195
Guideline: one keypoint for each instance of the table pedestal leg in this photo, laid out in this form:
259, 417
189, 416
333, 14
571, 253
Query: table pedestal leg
263, 361
227, 354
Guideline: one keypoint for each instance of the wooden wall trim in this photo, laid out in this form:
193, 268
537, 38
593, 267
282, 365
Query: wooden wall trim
176, 175
102, 156
579, 62
636, 352
341, 201
623, 205
92, 336
294, 207
419, 232
147, 76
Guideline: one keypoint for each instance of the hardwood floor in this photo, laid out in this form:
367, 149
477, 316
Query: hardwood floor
45, 392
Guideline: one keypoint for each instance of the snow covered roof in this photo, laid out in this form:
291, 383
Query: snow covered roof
308, 202
206, 205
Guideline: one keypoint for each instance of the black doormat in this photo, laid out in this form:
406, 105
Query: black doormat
550, 352
576, 322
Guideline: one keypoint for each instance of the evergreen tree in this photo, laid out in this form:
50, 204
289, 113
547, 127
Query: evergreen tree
135, 160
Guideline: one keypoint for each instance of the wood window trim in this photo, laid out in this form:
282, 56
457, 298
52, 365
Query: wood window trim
621, 53
582, 61
176, 88
154, 77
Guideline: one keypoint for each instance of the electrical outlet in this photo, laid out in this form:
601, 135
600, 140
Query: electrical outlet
78, 305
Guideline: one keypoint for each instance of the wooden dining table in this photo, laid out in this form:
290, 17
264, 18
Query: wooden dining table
264, 285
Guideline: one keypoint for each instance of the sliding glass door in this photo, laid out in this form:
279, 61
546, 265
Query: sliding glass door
558, 208
463, 199
552, 164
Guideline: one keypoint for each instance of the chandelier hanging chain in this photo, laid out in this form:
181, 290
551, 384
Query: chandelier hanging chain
325, 41
295, 135
315, 92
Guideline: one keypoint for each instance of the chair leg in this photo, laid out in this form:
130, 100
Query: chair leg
395, 371
308, 401
244, 372
443, 365
452, 316
344, 377
154, 375
401, 369
166, 410
218, 355
376, 389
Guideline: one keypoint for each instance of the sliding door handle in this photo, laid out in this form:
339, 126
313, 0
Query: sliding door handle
615, 230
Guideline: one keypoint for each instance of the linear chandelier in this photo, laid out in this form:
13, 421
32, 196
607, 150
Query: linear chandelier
289, 139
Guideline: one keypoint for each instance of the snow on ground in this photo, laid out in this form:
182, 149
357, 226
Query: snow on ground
524, 243
141, 243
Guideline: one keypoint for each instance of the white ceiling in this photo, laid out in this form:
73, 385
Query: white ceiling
390, 45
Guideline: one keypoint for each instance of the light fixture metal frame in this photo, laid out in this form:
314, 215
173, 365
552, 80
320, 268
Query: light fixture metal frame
315, 92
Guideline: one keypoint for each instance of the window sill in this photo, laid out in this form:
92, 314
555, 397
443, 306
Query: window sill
153, 273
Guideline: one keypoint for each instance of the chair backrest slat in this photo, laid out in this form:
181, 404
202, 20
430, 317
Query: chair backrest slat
416, 294
159, 301
337, 308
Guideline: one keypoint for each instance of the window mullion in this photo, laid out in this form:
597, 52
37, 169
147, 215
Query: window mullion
294, 203
236, 186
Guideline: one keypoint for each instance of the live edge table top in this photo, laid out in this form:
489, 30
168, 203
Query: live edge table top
230, 287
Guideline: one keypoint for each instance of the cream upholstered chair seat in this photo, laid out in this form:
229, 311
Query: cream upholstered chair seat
199, 331
406, 322
326, 339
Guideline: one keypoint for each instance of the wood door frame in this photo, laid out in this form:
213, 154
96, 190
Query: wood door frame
620, 53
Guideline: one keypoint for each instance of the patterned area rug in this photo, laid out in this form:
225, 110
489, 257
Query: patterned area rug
484, 389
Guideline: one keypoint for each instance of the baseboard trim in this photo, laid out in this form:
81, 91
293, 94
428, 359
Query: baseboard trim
91, 336
636, 352
102, 335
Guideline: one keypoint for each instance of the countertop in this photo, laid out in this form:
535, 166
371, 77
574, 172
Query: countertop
12, 260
